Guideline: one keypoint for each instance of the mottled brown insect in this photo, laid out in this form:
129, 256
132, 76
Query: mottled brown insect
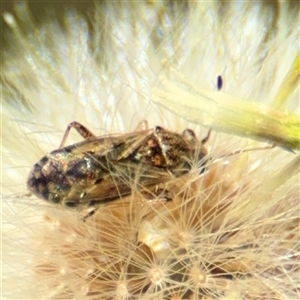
101, 169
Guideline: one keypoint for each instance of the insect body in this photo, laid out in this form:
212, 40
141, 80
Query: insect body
101, 169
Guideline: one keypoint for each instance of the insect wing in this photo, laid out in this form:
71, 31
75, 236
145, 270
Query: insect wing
118, 169
65, 174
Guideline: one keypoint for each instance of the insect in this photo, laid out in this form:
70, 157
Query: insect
101, 169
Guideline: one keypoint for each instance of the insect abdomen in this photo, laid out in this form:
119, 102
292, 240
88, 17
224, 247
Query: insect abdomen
57, 175
45, 178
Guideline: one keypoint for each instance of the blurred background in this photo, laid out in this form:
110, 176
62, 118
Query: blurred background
43, 10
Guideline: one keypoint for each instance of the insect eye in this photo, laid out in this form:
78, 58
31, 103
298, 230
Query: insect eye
159, 130
189, 135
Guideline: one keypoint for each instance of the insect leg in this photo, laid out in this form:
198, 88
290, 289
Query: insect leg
140, 140
206, 138
91, 213
82, 130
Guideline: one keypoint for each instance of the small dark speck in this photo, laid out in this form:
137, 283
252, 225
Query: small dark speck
219, 82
